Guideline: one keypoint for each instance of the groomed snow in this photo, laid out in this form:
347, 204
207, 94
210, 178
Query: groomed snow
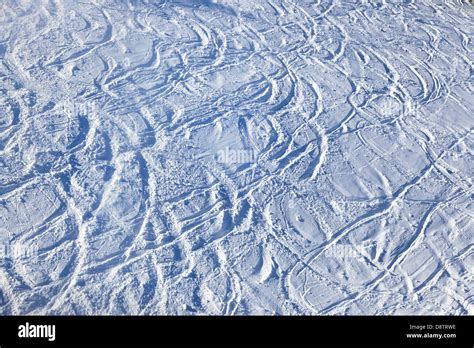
236, 157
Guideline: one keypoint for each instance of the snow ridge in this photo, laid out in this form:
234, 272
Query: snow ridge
236, 157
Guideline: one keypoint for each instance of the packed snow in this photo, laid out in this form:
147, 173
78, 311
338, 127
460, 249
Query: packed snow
236, 157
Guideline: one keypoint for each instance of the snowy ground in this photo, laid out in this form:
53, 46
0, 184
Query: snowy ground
236, 157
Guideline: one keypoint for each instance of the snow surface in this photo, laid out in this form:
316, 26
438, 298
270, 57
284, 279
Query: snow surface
236, 157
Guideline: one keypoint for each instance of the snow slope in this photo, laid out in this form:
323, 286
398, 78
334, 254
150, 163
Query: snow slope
236, 157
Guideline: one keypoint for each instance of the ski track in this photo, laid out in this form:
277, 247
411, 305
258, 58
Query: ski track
236, 157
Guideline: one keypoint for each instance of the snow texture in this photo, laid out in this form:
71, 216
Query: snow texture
236, 157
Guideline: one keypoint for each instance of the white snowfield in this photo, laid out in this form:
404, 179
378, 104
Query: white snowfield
236, 157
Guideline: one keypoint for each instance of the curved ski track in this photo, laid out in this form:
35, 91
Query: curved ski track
346, 188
